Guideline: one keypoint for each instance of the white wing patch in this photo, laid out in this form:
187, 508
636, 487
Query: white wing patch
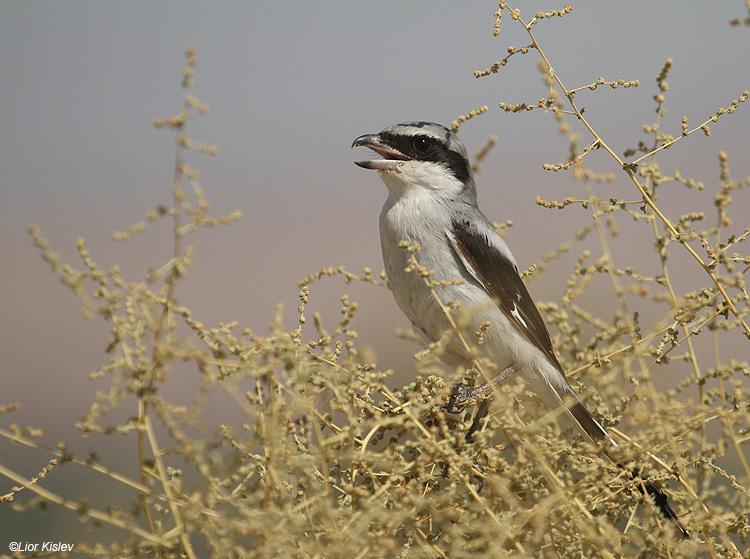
514, 312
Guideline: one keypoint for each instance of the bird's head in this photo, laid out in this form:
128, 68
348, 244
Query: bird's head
420, 158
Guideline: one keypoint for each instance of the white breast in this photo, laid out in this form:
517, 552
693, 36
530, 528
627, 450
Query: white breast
420, 219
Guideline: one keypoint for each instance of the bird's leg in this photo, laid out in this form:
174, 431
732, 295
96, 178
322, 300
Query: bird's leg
481, 413
461, 393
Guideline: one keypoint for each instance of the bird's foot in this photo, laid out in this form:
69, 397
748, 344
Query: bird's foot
460, 394
478, 475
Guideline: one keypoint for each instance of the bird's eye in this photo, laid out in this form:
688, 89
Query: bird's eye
422, 144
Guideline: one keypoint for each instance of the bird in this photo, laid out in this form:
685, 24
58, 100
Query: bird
432, 205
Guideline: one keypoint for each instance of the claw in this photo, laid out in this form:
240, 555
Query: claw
480, 480
460, 394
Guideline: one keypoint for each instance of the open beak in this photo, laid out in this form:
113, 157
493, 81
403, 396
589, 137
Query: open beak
391, 157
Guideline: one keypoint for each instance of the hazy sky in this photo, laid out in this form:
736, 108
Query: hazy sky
290, 85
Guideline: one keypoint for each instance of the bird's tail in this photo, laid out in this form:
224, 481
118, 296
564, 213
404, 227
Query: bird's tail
593, 430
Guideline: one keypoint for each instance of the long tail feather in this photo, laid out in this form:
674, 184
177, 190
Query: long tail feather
591, 428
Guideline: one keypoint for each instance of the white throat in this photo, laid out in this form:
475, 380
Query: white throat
411, 178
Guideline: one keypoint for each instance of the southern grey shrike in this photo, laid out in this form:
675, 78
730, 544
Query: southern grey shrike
432, 202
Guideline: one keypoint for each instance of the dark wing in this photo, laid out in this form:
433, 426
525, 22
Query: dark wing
497, 274
494, 271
